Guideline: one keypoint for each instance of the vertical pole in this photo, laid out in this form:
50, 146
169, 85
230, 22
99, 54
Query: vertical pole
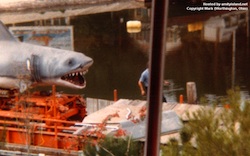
55, 114
54, 100
56, 134
181, 99
216, 58
233, 57
115, 95
191, 92
247, 22
156, 68
247, 34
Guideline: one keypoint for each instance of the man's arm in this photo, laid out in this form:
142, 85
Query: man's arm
140, 84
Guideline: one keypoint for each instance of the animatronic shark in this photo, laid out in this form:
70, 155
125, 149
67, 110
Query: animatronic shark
23, 65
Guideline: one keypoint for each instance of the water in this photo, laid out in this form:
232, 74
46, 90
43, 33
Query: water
119, 60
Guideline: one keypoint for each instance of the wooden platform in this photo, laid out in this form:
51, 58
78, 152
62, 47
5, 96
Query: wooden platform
122, 106
125, 106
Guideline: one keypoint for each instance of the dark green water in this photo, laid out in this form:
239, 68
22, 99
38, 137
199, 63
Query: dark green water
118, 61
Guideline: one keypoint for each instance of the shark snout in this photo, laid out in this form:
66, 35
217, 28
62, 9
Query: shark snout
79, 62
87, 64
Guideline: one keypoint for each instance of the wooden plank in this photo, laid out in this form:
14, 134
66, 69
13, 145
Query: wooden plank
180, 109
122, 107
24, 11
91, 105
168, 106
103, 103
33, 150
94, 104
24, 5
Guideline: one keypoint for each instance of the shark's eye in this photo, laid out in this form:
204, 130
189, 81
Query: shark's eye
70, 62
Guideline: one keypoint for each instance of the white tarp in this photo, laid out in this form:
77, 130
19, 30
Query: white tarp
170, 123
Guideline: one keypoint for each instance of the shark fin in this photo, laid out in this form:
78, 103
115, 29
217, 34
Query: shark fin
5, 35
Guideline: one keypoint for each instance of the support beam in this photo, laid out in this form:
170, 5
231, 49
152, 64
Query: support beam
156, 68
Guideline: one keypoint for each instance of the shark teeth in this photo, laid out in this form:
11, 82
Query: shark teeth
76, 78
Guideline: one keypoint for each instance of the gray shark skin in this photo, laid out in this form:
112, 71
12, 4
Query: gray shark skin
23, 65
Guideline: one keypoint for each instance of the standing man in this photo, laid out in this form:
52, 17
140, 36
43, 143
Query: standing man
143, 83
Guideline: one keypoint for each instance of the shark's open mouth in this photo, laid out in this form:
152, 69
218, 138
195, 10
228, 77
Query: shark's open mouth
76, 78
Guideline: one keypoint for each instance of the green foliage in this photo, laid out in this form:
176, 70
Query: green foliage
216, 130
111, 146
172, 148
